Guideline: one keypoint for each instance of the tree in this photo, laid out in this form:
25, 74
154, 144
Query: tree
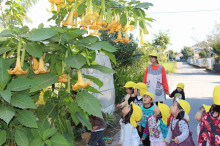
161, 41
171, 55
187, 52
203, 54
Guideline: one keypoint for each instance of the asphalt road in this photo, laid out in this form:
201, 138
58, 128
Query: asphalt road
199, 85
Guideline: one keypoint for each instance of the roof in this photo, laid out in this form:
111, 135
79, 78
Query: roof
180, 54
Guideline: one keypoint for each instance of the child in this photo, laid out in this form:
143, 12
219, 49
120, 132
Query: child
204, 109
98, 127
210, 125
139, 89
178, 93
129, 87
147, 110
131, 114
179, 133
156, 126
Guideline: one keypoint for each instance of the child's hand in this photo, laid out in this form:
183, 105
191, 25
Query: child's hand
176, 140
139, 129
142, 138
167, 143
118, 106
132, 95
94, 127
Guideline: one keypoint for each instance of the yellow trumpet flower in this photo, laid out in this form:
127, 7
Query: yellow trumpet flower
70, 20
59, 6
142, 38
80, 82
91, 16
63, 78
52, 8
70, 1
119, 39
17, 70
94, 26
95, 33
41, 98
35, 64
41, 68
126, 39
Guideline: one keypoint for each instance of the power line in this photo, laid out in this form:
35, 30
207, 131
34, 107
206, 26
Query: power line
175, 12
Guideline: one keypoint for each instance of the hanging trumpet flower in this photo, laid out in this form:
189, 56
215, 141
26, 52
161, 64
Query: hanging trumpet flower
119, 39
142, 37
41, 98
52, 8
18, 70
126, 39
80, 83
41, 68
63, 78
70, 20
35, 63
56, 1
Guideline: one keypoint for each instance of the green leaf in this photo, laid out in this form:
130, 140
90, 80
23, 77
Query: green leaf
37, 142
6, 33
27, 118
43, 80
6, 95
75, 61
89, 40
22, 101
2, 137
59, 140
48, 133
95, 80
42, 34
81, 8
4, 75
34, 49
109, 16
53, 47
83, 120
110, 55
74, 34
4, 50
48, 142
144, 5
101, 68
73, 108
20, 84
89, 103
101, 45
6, 113
92, 89
51, 109
21, 138
123, 20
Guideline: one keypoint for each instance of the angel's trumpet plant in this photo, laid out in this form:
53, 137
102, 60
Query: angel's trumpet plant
80, 83
41, 68
35, 63
18, 70
126, 39
119, 39
41, 98
70, 20
63, 78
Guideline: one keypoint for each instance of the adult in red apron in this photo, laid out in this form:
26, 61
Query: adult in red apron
156, 79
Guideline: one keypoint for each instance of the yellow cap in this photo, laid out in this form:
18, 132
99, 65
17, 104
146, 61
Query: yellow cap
149, 94
207, 108
142, 87
154, 54
184, 104
165, 112
216, 95
129, 84
180, 85
136, 115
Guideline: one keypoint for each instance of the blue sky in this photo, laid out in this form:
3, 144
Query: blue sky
185, 29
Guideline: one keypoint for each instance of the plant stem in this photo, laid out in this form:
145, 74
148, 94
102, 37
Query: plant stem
68, 90
22, 56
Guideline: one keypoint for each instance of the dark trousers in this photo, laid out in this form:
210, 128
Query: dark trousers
96, 138
145, 142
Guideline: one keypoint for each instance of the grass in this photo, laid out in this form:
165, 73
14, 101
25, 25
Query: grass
170, 67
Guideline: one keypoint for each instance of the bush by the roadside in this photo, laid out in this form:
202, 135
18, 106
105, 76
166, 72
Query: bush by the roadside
170, 67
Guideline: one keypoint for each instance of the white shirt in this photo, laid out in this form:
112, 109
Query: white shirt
130, 136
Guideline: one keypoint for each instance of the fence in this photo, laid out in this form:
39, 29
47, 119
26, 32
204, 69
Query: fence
203, 62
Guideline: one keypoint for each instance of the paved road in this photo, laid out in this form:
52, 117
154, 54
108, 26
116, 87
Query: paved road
199, 85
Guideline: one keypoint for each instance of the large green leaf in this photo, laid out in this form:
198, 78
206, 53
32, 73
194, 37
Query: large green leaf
89, 103
21, 138
81, 8
123, 20
144, 5
2, 137
53, 47
73, 108
43, 80
22, 101
75, 61
83, 120
52, 109
20, 84
37, 142
92, 89
4, 49
6, 33
6, 113
110, 55
49, 132
27, 118
101, 68
42, 34
101, 45
4, 75
95, 80
89, 40
59, 140
6, 95
34, 49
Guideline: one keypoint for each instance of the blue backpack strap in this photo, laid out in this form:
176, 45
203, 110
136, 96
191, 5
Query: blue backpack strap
163, 128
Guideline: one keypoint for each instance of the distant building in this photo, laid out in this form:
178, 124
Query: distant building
179, 56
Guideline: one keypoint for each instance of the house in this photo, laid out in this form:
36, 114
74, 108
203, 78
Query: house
179, 56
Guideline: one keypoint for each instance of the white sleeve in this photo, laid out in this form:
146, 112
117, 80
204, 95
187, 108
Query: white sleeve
127, 134
169, 134
185, 131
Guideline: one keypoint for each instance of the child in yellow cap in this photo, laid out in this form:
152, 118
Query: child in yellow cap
156, 125
204, 109
210, 125
179, 133
178, 92
129, 87
147, 110
131, 114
